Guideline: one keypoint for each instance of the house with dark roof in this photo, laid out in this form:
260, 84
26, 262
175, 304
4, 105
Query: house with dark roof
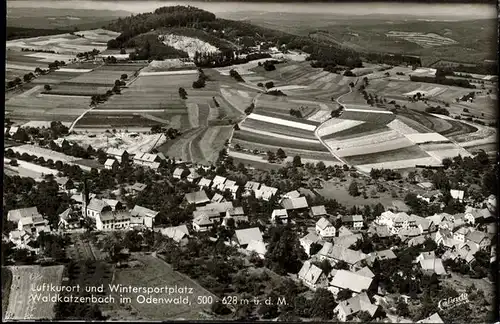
347, 309
242, 237
353, 221
296, 204
312, 276
318, 211
324, 228
198, 198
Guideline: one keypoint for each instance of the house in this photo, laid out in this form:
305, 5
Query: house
64, 218
138, 187
297, 204
347, 309
312, 276
491, 204
475, 215
217, 198
353, 221
434, 265
344, 231
146, 214
400, 206
403, 221
425, 225
204, 183
335, 253
347, 241
96, 207
308, 193
425, 256
324, 228
233, 189
117, 154
113, 220
62, 181
365, 272
178, 173
16, 214
20, 238
148, 160
218, 182
202, 223
466, 251
351, 281
113, 203
381, 256
237, 214
459, 235
291, 195
433, 319
425, 185
318, 211
457, 194
258, 247
379, 230
265, 192
13, 130
279, 214
386, 219
220, 208
242, 237
110, 164
193, 176
478, 238
33, 225
251, 186
179, 234
446, 238
308, 240
198, 198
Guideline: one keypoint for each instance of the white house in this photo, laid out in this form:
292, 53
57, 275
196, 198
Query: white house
96, 207
258, 247
280, 214
204, 183
308, 240
242, 237
324, 228
346, 309
16, 214
145, 214
178, 173
109, 220
480, 239
460, 234
217, 182
352, 281
202, 223
110, 164
457, 194
148, 160
120, 155
265, 192
312, 276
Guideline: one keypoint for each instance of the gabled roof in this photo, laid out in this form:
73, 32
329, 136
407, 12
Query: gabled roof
245, 236
347, 240
217, 198
177, 233
435, 265
280, 213
115, 152
219, 207
97, 204
236, 211
292, 194
65, 214
385, 254
344, 231
138, 186
257, 246
476, 236
318, 210
380, 230
143, 212
311, 237
111, 202
209, 213
463, 231
366, 272
178, 172
146, 157
355, 282
433, 319
457, 194
294, 203
193, 174
352, 218
110, 162
218, 180
229, 183
204, 182
427, 255
121, 215
357, 304
323, 223
16, 214
337, 252
62, 180
252, 185
425, 223
310, 273
202, 220
197, 197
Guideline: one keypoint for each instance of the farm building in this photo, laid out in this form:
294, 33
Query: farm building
251, 186
33, 225
16, 214
179, 234
258, 247
217, 182
110, 164
199, 198
347, 309
318, 211
113, 220
204, 183
312, 276
308, 240
296, 204
148, 160
66, 221
324, 228
478, 238
280, 214
113, 203
146, 214
380, 255
120, 155
351, 281
339, 253
220, 208
20, 238
352, 221
347, 241
242, 237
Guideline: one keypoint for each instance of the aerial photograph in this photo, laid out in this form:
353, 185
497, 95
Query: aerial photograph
250, 161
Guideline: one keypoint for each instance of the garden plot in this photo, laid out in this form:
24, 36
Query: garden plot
21, 305
336, 125
401, 164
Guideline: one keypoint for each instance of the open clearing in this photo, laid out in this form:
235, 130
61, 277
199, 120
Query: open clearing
154, 272
21, 306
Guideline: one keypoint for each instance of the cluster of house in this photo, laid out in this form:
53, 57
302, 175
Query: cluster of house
118, 156
30, 224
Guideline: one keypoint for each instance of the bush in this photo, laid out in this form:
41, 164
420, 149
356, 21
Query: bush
269, 84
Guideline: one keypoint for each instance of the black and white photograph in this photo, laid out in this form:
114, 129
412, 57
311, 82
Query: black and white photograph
250, 161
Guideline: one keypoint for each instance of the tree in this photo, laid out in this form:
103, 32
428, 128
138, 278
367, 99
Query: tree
47, 87
269, 84
323, 304
321, 166
280, 154
344, 294
353, 189
284, 253
297, 161
364, 316
402, 308
124, 76
378, 209
271, 157
182, 93
315, 248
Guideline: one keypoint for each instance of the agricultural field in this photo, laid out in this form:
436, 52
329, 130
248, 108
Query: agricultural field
82, 41
21, 306
283, 105
425, 40
104, 75
154, 272
169, 65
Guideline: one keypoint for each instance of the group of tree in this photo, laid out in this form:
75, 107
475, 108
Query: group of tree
182, 93
235, 75
437, 110
272, 157
150, 47
88, 55
387, 174
56, 64
442, 80
269, 65
250, 109
296, 113
202, 78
